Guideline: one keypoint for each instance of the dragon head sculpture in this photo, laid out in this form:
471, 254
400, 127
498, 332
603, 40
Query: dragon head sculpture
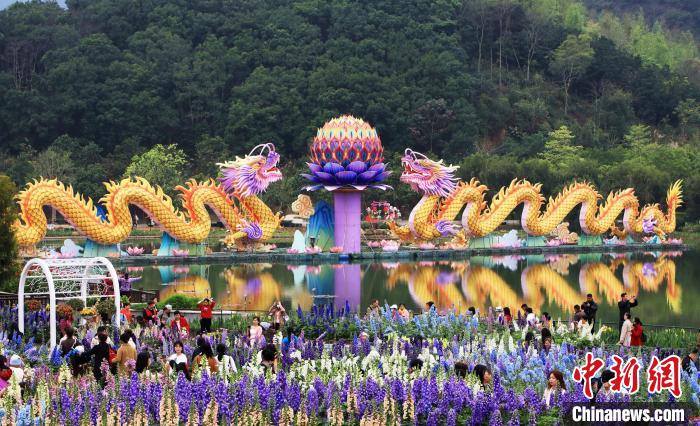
252, 174
427, 176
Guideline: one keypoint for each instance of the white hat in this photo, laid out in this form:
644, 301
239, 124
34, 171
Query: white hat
364, 333
499, 309
169, 307
393, 307
15, 361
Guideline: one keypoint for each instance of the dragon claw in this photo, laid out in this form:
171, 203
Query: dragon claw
446, 228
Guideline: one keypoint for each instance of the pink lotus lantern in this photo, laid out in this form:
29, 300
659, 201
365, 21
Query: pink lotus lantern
313, 250
134, 251
390, 245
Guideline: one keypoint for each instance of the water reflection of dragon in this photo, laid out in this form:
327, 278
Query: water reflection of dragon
243, 179
483, 287
444, 196
252, 286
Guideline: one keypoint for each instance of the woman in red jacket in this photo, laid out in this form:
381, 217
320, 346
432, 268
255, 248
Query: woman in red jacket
180, 326
637, 331
5, 374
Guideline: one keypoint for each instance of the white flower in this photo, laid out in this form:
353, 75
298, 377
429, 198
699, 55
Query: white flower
501, 346
562, 328
511, 343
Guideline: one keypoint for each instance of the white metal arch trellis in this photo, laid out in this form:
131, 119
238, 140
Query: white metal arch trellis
64, 279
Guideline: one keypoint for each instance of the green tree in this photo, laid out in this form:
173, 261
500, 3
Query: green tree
89, 173
430, 122
638, 136
209, 150
616, 112
54, 163
19, 167
161, 165
117, 160
9, 265
559, 149
688, 112
570, 60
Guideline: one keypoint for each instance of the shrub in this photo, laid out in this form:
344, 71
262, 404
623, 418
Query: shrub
105, 307
180, 301
76, 304
9, 265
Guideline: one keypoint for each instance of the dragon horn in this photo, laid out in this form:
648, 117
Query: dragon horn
262, 147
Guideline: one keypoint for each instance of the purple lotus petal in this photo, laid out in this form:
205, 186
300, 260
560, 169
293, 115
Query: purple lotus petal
346, 177
314, 167
381, 176
359, 187
379, 167
367, 176
332, 168
324, 177
357, 167
310, 177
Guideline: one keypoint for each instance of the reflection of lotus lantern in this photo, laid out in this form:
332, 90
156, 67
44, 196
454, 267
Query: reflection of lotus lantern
346, 153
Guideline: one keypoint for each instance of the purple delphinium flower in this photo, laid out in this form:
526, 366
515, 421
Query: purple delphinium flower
312, 402
183, 396
294, 396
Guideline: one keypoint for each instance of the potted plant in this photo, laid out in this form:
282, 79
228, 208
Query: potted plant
76, 304
32, 305
105, 307
64, 311
88, 313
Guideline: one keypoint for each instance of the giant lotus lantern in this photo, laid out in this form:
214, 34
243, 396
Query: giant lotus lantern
347, 158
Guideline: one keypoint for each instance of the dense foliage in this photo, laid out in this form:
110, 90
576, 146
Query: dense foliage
9, 267
88, 88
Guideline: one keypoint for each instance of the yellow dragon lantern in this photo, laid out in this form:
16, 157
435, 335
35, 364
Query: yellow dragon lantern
444, 196
242, 179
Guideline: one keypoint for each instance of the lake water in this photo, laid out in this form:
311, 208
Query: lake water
665, 283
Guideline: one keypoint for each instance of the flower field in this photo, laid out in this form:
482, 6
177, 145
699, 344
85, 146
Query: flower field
325, 379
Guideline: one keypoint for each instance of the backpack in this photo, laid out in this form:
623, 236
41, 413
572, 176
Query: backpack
112, 355
644, 338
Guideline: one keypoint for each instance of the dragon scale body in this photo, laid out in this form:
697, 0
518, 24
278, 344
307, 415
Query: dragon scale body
444, 197
191, 226
243, 180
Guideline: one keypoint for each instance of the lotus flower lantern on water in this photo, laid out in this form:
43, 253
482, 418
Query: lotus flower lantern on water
346, 158
346, 154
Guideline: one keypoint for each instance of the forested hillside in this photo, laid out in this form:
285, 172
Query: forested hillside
548, 90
